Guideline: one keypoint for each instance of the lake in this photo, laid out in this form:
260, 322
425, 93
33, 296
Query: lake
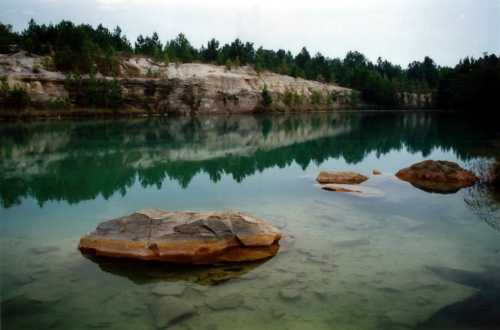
403, 259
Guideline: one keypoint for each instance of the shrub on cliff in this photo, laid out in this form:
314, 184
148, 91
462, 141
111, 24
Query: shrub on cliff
316, 98
267, 99
354, 99
93, 92
13, 98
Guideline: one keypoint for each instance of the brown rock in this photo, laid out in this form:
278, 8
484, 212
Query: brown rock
355, 190
184, 237
340, 177
331, 187
376, 172
437, 176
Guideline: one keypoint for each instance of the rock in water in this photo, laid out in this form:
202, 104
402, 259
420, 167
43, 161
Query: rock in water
331, 187
168, 289
289, 294
169, 310
326, 177
227, 302
437, 176
184, 237
356, 190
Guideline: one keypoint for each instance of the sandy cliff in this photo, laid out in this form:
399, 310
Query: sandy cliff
183, 88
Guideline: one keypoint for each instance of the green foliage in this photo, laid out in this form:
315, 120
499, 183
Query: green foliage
13, 98
211, 52
267, 99
7, 38
316, 98
228, 65
425, 72
93, 92
354, 98
288, 98
76, 48
473, 85
180, 49
333, 97
149, 46
58, 103
83, 49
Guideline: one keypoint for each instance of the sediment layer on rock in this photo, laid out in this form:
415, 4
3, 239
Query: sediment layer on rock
186, 88
184, 237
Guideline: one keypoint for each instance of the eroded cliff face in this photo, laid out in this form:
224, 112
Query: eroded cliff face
183, 88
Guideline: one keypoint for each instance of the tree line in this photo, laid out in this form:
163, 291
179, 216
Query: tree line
472, 84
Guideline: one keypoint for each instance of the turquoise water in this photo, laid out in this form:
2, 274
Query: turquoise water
346, 262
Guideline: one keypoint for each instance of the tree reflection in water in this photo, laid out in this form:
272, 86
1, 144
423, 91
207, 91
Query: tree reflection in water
484, 198
75, 161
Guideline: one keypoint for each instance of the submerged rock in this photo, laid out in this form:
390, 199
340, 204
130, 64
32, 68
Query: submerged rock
168, 289
184, 237
290, 294
437, 176
331, 187
170, 310
146, 272
326, 177
43, 250
231, 301
352, 243
356, 190
479, 311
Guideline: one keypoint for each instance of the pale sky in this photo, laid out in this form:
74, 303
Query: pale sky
399, 30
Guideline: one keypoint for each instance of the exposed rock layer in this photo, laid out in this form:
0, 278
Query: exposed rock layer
182, 88
184, 237
437, 176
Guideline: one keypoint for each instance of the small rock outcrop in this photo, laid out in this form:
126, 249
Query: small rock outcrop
437, 176
184, 237
337, 177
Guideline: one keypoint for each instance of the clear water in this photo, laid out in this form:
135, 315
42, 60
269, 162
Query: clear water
346, 262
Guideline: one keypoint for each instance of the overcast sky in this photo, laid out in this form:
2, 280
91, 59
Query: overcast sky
399, 30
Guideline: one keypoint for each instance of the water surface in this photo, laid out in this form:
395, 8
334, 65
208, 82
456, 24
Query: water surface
346, 262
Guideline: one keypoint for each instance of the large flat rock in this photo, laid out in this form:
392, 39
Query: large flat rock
184, 237
437, 176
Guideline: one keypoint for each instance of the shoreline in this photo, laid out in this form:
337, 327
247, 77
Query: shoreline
89, 113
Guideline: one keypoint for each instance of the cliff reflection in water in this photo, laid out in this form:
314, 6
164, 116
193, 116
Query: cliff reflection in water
75, 161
